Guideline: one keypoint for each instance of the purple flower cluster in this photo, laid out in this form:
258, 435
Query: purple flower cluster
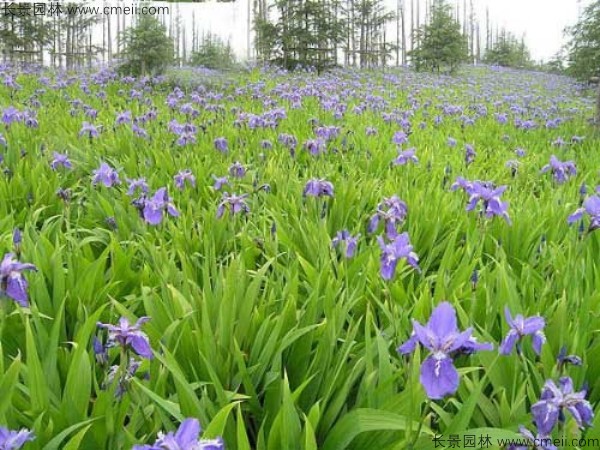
561, 171
106, 175
345, 238
406, 156
484, 193
392, 211
235, 203
153, 209
318, 188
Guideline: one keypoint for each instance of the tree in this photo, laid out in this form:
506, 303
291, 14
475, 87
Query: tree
306, 34
146, 47
213, 53
584, 46
440, 43
508, 51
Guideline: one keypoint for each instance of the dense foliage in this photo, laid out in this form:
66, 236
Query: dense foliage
253, 259
440, 43
508, 51
584, 46
146, 47
213, 53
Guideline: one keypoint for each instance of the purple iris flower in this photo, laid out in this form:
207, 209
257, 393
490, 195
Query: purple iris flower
371, 131
187, 437
220, 182
123, 378
560, 170
521, 327
89, 130
443, 339
105, 175
221, 144
469, 154
562, 359
137, 184
14, 440
182, 177
11, 115
392, 211
30, 119
12, 282
237, 170
60, 159
155, 207
128, 336
520, 152
17, 237
318, 188
399, 248
235, 203
186, 138
484, 192
400, 138
513, 165
452, 142
328, 132
124, 117
289, 141
315, 146
344, 237
555, 399
405, 157
139, 131
538, 442
100, 351
591, 207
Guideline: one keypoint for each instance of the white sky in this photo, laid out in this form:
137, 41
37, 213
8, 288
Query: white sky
541, 21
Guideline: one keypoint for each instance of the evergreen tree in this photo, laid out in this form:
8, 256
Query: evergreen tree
508, 51
306, 34
584, 46
213, 53
146, 47
440, 43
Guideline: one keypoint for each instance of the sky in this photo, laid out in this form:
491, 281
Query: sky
541, 22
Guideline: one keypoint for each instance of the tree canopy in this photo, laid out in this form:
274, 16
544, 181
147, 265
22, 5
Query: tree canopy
584, 46
440, 43
509, 51
147, 48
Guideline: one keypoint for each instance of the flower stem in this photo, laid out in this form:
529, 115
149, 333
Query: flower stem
423, 417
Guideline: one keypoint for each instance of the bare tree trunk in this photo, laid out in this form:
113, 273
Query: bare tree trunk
412, 24
403, 26
118, 34
472, 32
488, 31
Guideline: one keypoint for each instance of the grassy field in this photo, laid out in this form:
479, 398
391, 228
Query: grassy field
259, 326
